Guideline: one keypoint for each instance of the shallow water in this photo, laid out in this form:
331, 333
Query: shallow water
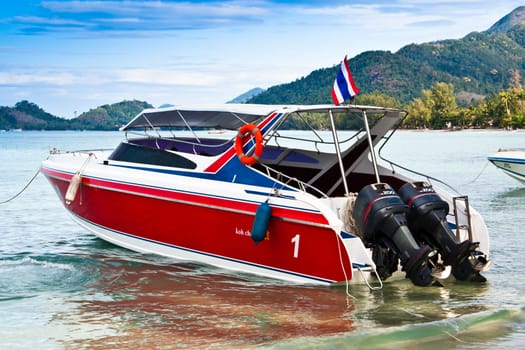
63, 288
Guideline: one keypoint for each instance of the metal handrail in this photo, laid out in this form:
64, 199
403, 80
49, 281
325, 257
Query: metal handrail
288, 180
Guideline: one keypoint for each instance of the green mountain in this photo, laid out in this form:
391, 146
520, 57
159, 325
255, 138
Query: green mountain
506, 23
246, 96
28, 116
109, 117
479, 64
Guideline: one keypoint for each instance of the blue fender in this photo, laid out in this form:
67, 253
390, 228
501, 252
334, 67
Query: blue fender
260, 223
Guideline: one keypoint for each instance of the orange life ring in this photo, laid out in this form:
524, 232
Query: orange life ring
244, 131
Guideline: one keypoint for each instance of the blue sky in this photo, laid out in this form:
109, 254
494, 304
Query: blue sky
70, 56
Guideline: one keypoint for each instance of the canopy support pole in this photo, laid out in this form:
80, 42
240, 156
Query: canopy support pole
371, 146
338, 152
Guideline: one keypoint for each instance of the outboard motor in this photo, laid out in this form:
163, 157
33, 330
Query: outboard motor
427, 221
380, 215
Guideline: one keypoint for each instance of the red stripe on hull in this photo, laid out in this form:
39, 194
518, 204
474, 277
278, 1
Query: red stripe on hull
197, 199
304, 249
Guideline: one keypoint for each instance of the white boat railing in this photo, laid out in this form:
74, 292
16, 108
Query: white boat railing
290, 181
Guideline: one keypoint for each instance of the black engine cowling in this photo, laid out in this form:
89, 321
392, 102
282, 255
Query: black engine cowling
427, 222
380, 215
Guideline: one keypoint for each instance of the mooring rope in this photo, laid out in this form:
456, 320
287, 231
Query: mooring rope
23, 189
477, 177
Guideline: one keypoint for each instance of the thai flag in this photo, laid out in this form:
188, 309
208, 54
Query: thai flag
344, 86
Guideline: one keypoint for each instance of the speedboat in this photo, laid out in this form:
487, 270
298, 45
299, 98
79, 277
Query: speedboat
511, 161
292, 192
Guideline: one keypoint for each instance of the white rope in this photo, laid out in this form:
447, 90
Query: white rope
347, 282
477, 177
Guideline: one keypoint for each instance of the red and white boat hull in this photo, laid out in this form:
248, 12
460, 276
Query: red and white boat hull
301, 245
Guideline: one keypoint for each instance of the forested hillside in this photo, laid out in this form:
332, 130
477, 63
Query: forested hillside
109, 117
477, 65
29, 116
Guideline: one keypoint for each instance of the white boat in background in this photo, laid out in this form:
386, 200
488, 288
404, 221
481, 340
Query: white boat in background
290, 192
511, 161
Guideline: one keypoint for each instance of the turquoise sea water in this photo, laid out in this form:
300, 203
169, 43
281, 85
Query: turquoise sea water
63, 288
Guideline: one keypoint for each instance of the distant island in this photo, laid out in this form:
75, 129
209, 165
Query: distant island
476, 81
26, 115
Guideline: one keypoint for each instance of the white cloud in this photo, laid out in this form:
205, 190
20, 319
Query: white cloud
222, 9
128, 76
136, 16
35, 20
166, 77
55, 78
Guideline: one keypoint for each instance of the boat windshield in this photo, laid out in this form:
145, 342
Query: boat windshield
312, 130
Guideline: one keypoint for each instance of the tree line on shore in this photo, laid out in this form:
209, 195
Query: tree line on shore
437, 108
